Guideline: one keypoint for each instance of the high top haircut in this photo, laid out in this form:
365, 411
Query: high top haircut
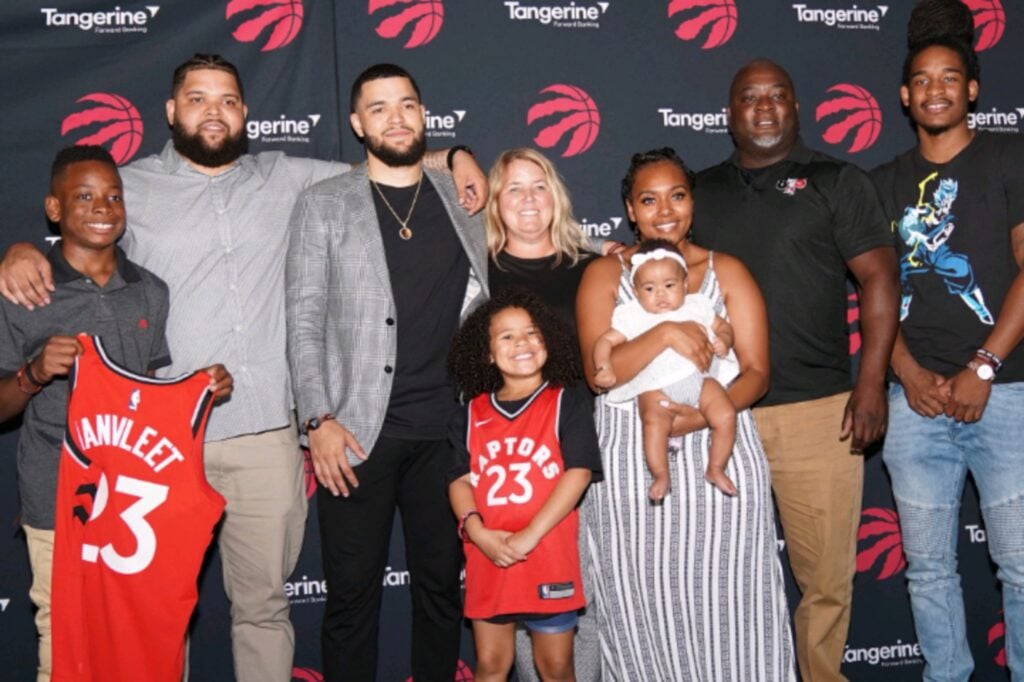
200, 61
942, 23
76, 154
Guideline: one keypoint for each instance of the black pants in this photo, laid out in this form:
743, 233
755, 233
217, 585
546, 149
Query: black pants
355, 535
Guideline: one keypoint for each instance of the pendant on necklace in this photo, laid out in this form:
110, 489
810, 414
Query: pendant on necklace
405, 233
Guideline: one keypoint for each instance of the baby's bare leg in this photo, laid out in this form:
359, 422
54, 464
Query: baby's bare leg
718, 410
657, 423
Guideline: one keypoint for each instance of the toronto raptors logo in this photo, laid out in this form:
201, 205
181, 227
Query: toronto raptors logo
997, 642
425, 17
880, 529
989, 22
283, 18
858, 114
570, 111
790, 185
718, 16
109, 120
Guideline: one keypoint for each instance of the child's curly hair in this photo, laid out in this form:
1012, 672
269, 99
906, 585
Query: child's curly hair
469, 358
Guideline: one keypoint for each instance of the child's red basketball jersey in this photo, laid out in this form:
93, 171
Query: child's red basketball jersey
515, 463
134, 517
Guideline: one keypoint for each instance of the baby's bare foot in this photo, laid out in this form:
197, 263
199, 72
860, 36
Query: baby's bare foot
716, 477
661, 487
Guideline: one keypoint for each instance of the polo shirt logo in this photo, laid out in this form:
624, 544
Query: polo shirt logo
790, 185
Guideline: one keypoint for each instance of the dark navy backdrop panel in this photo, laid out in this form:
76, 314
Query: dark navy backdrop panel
587, 82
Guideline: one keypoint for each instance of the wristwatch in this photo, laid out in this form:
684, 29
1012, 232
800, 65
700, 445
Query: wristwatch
316, 422
984, 370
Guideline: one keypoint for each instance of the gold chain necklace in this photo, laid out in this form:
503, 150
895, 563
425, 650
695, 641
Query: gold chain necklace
404, 232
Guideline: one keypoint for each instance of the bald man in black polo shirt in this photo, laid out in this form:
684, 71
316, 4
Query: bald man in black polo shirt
800, 221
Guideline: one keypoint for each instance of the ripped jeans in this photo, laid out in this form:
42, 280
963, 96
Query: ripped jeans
928, 460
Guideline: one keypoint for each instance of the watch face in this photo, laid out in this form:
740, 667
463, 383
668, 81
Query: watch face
985, 372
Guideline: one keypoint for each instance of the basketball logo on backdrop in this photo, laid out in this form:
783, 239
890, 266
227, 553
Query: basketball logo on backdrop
879, 540
853, 322
309, 473
307, 675
989, 22
855, 112
570, 113
425, 17
718, 17
283, 19
997, 642
110, 120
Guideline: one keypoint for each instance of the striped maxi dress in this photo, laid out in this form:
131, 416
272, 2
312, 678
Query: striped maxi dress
690, 589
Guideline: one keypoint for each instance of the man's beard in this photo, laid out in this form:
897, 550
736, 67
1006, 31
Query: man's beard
935, 131
397, 158
194, 148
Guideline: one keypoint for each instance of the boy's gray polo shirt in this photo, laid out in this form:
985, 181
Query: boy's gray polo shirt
129, 315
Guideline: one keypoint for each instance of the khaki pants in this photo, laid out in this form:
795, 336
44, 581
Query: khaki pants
261, 477
818, 486
40, 557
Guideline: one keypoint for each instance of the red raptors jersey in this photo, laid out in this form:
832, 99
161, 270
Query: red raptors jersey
515, 463
134, 517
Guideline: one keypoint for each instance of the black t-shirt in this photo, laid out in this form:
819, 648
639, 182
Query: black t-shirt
795, 225
556, 285
951, 223
576, 434
429, 274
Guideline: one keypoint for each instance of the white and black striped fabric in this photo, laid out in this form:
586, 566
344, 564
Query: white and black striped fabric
690, 589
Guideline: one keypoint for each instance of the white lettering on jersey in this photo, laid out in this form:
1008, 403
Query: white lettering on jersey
120, 432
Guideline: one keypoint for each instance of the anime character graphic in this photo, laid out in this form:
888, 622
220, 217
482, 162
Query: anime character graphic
926, 228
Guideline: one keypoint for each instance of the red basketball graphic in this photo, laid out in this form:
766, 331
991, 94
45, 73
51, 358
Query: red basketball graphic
997, 641
309, 473
575, 111
989, 22
880, 526
425, 16
306, 675
853, 322
717, 15
462, 674
860, 114
121, 124
285, 16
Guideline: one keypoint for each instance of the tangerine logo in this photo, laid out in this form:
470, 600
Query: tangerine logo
860, 115
120, 124
307, 675
463, 673
718, 15
989, 22
425, 16
285, 16
576, 112
309, 474
997, 641
882, 530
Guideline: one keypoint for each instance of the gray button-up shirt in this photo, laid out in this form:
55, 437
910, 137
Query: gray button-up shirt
219, 243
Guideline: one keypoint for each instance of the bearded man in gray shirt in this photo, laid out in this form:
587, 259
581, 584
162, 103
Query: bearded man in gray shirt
211, 221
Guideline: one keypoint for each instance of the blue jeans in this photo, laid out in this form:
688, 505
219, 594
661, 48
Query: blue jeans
928, 460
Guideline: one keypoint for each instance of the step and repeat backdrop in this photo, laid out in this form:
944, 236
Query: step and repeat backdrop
588, 83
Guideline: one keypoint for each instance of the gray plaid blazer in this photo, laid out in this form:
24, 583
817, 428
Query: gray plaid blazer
338, 297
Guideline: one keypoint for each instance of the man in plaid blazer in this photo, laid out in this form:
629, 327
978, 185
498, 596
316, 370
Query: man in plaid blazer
382, 266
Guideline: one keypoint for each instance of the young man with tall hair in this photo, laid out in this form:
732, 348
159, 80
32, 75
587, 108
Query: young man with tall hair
956, 205
382, 265
211, 220
801, 222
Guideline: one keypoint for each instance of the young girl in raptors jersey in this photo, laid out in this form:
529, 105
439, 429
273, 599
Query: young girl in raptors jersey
525, 451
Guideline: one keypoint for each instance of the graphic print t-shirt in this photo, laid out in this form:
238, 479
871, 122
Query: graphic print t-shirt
951, 224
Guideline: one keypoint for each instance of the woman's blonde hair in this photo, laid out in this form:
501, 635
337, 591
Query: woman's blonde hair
566, 235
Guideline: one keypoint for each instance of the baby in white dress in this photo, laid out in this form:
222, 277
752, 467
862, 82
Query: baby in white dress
659, 280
